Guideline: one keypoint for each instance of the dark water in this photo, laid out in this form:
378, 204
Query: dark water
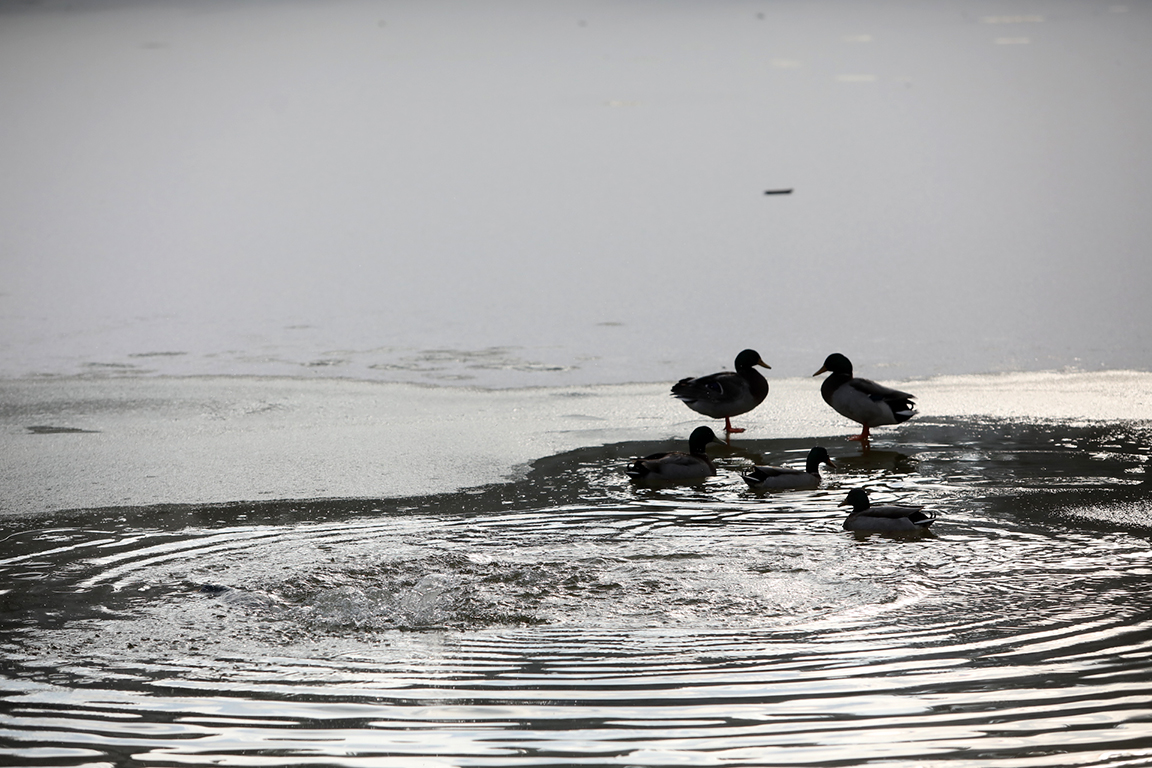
571, 619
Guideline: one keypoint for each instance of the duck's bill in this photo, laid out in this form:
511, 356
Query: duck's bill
823, 369
763, 364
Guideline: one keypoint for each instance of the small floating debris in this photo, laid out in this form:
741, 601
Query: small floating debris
778, 191
46, 429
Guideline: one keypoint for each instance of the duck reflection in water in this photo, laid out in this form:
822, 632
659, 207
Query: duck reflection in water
876, 459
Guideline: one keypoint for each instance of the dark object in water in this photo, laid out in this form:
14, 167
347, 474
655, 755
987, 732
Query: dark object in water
778, 191
50, 430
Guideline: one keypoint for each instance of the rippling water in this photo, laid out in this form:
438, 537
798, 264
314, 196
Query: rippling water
570, 618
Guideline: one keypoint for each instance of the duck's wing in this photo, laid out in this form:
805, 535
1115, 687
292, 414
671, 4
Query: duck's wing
879, 391
715, 388
677, 459
675, 466
893, 512
763, 472
655, 456
645, 465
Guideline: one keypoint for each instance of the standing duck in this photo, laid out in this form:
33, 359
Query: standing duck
764, 477
862, 400
889, 518
726, 394
677, 465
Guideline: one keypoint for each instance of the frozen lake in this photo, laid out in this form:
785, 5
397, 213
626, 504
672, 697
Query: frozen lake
512, 193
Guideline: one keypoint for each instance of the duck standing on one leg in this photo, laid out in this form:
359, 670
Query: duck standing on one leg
677, 465
863, 400
726, 394
766, 477
886, 518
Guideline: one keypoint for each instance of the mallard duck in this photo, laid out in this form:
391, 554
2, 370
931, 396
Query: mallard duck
677, 465
726, 394
891, 518
863, 400
787, 477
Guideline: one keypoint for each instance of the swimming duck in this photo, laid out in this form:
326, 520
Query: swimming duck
863, 400
677, 465
787, 477
891, 518
726, 394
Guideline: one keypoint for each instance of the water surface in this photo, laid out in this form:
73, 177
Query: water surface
572, 618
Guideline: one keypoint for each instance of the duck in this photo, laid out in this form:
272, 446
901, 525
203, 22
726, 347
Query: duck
677, 465
764, 477
863, 400
888, 518
728, 393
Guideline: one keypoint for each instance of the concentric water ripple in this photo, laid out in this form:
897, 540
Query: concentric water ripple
572, 619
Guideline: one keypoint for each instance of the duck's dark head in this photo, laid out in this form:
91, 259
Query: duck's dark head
749, 358
819, 455
858, 499
836, 363
700, 438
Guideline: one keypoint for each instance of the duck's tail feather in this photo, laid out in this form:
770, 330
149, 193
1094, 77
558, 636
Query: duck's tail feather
903, 411
923, 519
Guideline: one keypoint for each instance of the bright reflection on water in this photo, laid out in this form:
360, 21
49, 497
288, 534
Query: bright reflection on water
572, 619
